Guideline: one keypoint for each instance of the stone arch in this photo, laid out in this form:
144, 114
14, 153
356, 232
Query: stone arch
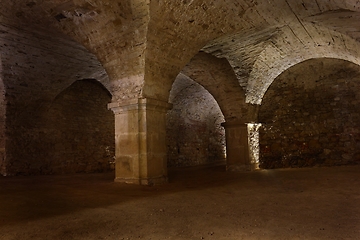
286, 50
310, 115
217, 76
194, 132
214, 79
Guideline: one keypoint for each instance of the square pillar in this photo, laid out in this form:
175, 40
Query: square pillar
237, 146
140, 141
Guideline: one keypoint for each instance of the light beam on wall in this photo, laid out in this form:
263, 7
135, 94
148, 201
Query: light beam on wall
254, 145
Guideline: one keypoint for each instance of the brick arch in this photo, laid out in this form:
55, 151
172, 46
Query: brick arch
276, 58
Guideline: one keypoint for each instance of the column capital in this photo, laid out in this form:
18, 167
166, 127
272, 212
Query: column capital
139, 103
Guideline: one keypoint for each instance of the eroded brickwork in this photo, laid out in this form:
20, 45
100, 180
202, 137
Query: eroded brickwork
310, 116
194, 134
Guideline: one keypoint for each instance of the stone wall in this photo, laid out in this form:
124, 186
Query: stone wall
81, 129
2, 125
35, 68
74, 134
310, 116
194, 134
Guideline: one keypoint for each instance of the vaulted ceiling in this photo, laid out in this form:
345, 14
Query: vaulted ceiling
144, 44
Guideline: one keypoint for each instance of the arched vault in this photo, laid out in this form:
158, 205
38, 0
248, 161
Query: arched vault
258, 56
287, 50
217, 76
144, 44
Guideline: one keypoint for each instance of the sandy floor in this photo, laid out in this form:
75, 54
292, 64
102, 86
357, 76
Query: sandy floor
202, 203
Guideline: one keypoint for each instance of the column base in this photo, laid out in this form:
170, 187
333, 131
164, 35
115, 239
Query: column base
142, 181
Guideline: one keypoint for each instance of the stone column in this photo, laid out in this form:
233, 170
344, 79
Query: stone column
140, 141
237, 146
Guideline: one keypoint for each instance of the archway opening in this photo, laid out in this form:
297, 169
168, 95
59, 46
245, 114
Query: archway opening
194, 133
310, 116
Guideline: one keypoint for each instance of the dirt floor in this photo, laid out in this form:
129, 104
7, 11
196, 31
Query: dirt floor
197, 203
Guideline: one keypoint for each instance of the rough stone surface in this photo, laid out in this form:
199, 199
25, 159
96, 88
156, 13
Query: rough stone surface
74, 134
2, 126
144, 44
310, 116
140, 141
217, 77
36, 68
194, 132
136, 48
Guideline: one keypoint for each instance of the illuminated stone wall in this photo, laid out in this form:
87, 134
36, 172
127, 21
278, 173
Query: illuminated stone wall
310, 116
194, 134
